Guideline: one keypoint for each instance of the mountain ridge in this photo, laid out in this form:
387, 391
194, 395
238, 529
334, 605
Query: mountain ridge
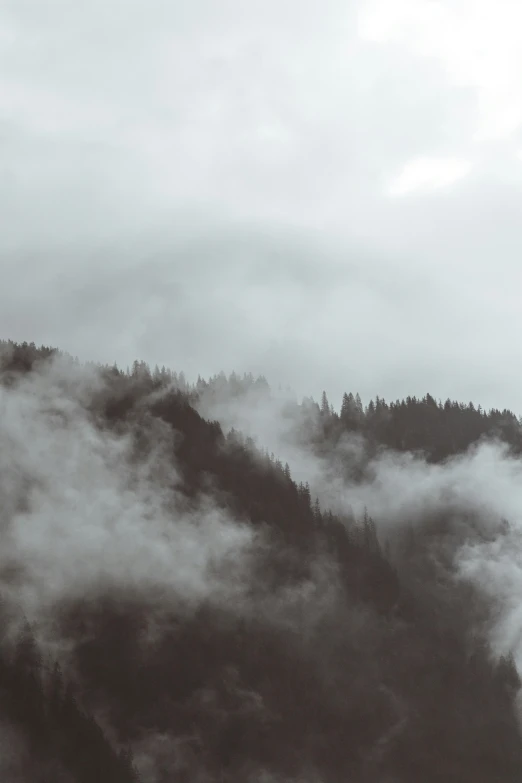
286, 641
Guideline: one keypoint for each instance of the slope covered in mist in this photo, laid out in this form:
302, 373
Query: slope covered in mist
178, 606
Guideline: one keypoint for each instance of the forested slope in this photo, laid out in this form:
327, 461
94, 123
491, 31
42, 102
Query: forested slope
316, 650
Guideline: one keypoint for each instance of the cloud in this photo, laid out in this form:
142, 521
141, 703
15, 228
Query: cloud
476, 43
80, 515
144, 189
427, 174
88, 514
475, 492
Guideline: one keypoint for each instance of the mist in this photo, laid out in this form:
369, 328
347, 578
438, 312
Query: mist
162, 546
90, 511
204, 583
480, 490
81, 516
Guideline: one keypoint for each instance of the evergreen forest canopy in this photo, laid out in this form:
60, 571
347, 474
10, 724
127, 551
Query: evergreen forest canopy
179, 604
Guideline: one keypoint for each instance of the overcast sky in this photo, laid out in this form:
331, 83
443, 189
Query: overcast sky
326, 192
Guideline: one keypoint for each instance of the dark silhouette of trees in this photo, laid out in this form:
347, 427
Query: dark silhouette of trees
391, 678
60, 737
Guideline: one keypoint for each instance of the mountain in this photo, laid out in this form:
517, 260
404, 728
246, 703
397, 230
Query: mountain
176, 604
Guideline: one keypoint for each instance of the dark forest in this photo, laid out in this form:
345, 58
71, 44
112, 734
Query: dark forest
179, 604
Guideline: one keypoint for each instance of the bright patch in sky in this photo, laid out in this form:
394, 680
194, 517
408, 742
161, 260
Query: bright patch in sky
477, 42
425, 174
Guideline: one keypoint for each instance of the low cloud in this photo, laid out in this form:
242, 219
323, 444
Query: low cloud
81, 514
479, 492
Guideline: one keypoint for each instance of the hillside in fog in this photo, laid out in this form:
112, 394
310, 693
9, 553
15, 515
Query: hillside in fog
177, 605
280, 539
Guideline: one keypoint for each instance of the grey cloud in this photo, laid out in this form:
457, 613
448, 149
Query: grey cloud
483, 485
78, 513
204, 185
188, 95
82, 513
232, 300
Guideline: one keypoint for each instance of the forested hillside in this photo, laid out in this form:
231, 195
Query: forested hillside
177, 607
439, 429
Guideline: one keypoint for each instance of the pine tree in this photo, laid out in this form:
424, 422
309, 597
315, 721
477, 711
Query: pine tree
369, 532
346, 407
325, 405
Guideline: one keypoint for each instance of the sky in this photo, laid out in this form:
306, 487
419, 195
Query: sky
326, 193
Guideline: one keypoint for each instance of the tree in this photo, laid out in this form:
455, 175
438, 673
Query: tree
352, 414
371, 542
325, 405
317, 512
347, 407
